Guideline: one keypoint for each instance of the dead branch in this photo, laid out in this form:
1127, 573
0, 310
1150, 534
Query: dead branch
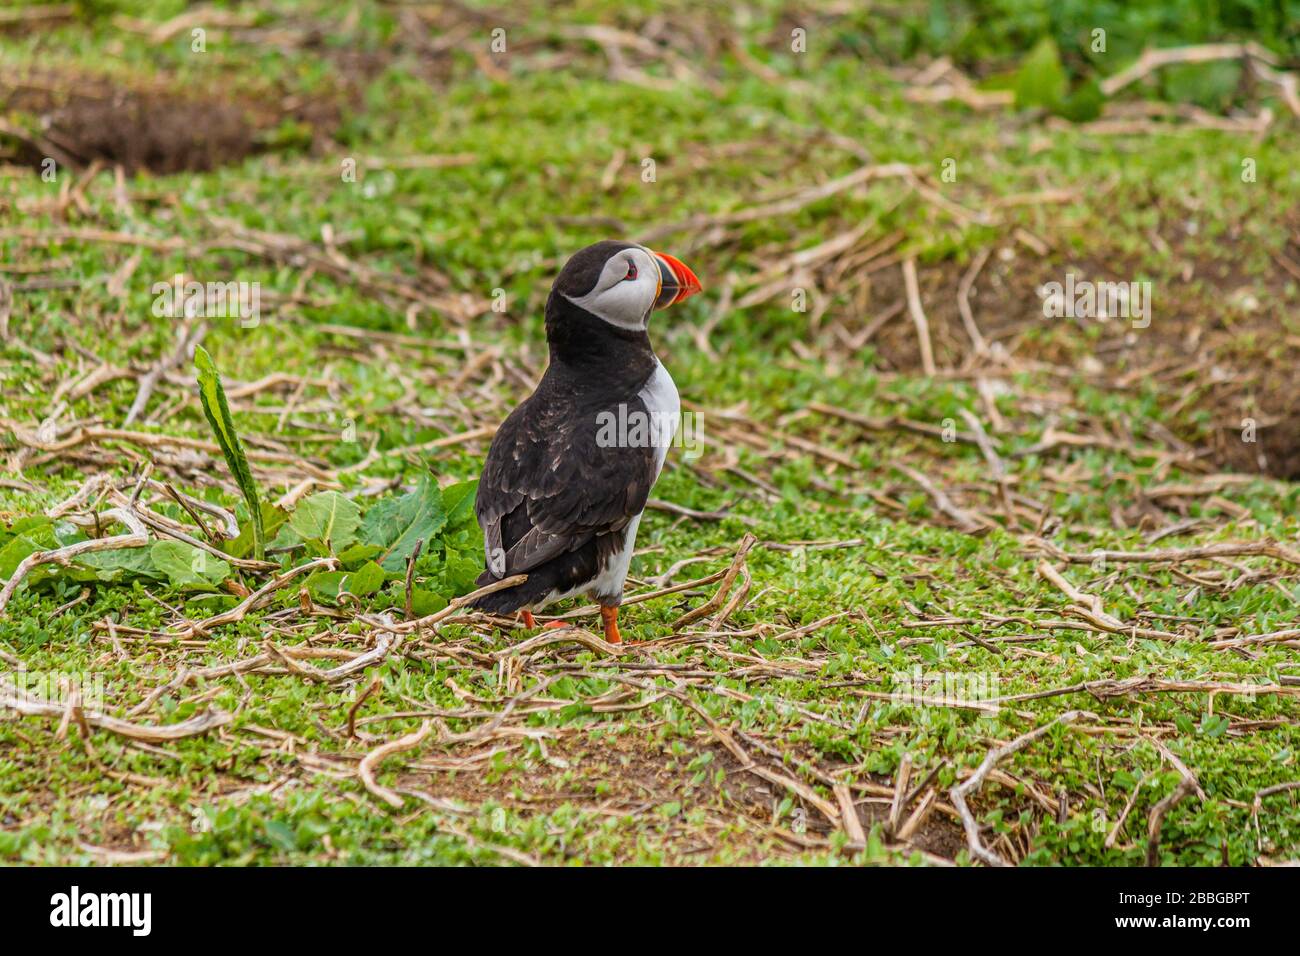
1090, 605
1260, 59
366, 769
385, 643
719, 596
849, 814
1186, 784
14, 699
783, 207
405, 627
966, 521
963, 301
918, 317
257, 598
567, 635
187, 337
1228, 549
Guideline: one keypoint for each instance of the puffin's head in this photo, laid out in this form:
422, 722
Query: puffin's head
622, 282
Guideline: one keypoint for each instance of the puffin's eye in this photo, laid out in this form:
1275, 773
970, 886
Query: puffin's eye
631, 272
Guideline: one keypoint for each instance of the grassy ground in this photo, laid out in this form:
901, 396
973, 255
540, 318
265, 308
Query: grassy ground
943, 563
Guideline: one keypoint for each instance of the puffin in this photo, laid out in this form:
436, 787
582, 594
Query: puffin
569, 471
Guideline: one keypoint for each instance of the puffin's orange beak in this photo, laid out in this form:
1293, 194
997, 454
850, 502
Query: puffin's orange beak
676, 281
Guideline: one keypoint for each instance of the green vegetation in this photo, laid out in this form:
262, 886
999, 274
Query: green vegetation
217, 412
397, 179
977, 33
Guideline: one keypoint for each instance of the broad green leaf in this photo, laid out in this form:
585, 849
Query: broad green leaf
1083, 104
324, 585
120, 564
213, 398
396, 524
357, 555
285, 539
458, 499
1041, 80
40, 538
327, 517
273, 520
29, 523
366, 581
187, 566
66, 533
425, 602
460, 571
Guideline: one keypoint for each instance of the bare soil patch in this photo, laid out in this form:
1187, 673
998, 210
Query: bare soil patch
1226, 358
79, 119
629, 774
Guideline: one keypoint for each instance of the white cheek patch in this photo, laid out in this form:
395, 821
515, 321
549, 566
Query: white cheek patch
623, 303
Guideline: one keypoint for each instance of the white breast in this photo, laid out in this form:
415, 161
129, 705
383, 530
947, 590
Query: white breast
609, 582
665, 408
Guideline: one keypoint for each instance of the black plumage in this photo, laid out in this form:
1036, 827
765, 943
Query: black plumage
552, 502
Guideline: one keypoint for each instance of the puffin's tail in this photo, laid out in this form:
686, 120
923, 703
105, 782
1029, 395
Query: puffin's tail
507, 600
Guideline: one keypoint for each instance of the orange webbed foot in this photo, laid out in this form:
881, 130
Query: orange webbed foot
609, 616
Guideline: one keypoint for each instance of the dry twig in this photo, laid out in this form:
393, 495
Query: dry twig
976, 780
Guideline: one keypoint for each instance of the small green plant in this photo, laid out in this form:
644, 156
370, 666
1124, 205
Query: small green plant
213, 398
1042, 82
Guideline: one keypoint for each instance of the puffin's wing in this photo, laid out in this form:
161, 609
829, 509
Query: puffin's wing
549, 487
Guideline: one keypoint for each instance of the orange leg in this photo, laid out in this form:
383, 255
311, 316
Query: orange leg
609, 615
529, 620
555, 625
